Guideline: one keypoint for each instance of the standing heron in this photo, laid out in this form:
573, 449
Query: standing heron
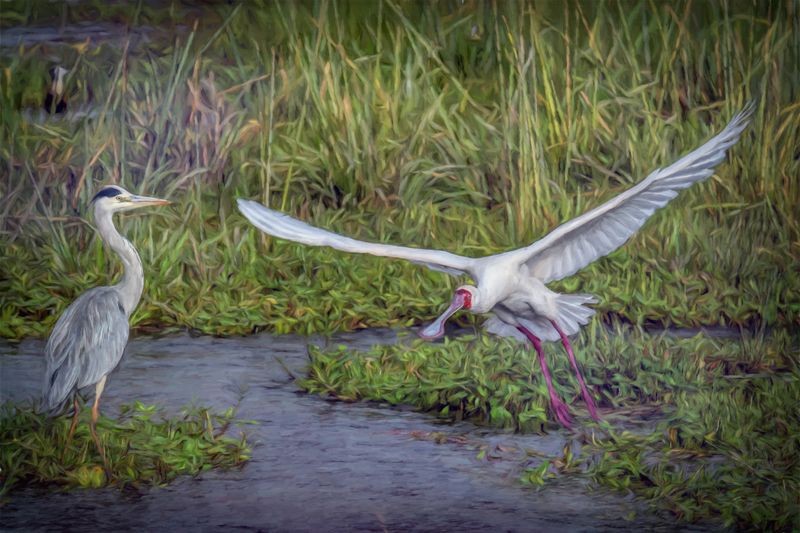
55, 102
512, 285
88, 340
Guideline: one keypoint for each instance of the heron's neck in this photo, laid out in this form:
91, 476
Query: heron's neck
132, 283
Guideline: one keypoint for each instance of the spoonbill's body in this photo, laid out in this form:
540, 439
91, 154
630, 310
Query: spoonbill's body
512, 285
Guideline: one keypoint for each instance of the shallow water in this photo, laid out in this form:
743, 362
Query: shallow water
317, 465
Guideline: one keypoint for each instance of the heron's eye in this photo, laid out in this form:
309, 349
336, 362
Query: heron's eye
122, 198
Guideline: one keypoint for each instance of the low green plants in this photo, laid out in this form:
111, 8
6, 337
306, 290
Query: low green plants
142, 447
718, 424
497, 381
538, 475
729, 452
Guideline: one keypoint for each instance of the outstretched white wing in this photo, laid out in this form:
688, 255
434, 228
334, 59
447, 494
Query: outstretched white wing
597, 233
286, 227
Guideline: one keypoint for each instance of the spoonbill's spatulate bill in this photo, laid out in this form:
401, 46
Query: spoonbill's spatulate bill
511, 285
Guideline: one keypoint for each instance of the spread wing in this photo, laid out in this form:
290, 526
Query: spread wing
87, 343
286, 227
597, 233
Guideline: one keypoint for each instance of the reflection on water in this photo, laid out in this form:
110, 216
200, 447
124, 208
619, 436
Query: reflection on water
317, 465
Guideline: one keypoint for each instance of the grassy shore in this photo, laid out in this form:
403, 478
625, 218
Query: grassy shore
712, 425
474, 127
141, 447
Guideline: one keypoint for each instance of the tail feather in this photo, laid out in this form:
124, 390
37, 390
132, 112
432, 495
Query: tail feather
572, 314
59, 384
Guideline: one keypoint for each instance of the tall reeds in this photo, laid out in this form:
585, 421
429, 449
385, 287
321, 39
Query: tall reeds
475, 127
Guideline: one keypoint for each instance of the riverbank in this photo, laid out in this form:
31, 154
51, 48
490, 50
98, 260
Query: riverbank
692, 426
705, 427
316, 464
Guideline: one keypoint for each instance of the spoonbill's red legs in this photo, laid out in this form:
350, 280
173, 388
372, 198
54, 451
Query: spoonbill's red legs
560, 408
586, 396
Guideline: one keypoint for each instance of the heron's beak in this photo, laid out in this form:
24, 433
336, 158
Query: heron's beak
436, 328
144, 201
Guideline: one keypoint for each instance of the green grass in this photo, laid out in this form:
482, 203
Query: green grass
727, 428
729, 453
469, 126
473, 127
141, 447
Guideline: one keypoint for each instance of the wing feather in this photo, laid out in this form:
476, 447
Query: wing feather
286, 227
597, 233
87, 343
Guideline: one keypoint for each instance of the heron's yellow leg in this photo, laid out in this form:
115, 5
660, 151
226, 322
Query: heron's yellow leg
98, 390
74, 419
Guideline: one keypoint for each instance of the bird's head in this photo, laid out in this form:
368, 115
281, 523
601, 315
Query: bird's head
465, 297
57, 76
113, 198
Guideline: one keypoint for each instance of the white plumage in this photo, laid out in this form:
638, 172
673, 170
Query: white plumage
511, 285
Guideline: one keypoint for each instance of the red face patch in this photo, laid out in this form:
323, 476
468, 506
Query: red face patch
467, 297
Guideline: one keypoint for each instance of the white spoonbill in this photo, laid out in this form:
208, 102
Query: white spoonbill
512, 285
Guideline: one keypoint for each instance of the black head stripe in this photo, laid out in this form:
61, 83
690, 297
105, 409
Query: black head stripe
107, 192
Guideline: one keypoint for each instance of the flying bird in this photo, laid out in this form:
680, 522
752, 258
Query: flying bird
512, 286
88, 339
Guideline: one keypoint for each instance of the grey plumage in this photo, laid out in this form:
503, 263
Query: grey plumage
86, 344
89, 338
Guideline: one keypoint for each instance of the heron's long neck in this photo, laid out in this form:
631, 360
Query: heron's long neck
132, 283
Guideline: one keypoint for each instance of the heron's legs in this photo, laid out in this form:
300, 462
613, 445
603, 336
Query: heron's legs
98, 390
586, 396
74, 419
560, 408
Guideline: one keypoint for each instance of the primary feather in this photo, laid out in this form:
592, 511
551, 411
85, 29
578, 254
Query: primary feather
597, 233
286, 227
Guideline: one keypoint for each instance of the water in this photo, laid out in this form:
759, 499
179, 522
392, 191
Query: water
89, 32
317, 465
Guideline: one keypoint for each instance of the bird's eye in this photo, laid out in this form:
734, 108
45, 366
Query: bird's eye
467, 298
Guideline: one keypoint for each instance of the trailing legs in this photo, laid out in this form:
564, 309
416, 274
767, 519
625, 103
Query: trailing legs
586, 396
559, 407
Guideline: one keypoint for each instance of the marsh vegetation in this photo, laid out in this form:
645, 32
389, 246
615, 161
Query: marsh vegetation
703, 427
141, 447
474, 127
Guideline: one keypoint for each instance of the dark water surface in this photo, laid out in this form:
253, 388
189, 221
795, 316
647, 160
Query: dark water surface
317, 465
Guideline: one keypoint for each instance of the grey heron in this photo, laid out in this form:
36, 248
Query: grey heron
55, 101
512, 285
88, 339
